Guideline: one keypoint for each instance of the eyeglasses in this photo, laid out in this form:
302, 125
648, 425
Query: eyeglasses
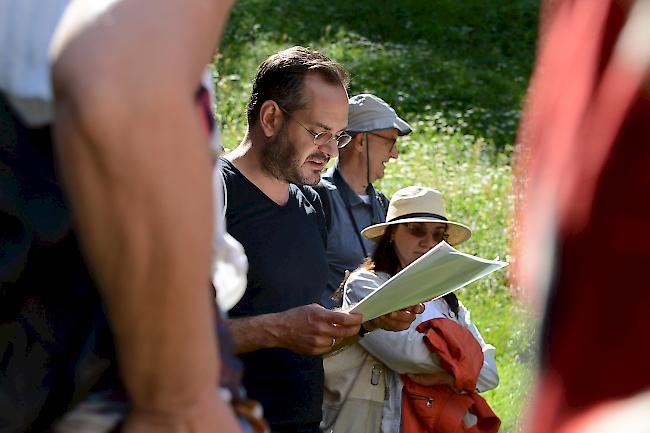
322, 138
392, 141
418, 230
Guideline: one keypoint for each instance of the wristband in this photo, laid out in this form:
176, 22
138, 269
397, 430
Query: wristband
362, 331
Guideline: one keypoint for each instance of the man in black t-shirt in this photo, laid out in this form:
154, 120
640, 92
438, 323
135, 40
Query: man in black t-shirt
297, 116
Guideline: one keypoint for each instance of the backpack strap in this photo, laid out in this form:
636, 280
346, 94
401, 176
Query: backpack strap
310, 195
326, 201
220, 192
225, 193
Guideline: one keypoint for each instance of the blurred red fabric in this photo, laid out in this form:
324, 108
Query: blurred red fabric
583, 178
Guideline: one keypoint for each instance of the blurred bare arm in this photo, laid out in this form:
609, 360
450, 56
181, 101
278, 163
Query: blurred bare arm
135, 164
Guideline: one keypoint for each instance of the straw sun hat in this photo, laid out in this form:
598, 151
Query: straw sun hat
418, 204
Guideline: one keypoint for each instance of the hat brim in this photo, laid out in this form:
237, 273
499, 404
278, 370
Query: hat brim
458, 233
402, 127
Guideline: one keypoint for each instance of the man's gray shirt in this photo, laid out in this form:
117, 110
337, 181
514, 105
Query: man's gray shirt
344, 240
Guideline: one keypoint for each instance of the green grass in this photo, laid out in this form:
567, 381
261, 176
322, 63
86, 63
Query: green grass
458, 72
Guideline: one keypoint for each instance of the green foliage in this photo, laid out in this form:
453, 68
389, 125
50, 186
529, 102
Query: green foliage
420, 56
457, 71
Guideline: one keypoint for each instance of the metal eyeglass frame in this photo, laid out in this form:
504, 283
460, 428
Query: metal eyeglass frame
392, 141
343, 136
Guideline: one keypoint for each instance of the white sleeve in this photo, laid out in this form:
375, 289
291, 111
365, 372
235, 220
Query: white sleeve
489, 376
229, 262
405, 352
401, 351
360, 284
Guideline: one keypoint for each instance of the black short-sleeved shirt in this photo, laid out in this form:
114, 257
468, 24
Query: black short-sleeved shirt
285, 247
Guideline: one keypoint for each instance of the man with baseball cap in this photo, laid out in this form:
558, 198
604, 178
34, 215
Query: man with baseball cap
347, 190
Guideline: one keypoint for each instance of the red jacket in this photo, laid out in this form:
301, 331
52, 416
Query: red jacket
440, 409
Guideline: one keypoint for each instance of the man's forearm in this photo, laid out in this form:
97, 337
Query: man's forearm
308, 329
253, 333
137, 171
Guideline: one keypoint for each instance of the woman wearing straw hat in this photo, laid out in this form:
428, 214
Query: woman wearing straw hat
415, 223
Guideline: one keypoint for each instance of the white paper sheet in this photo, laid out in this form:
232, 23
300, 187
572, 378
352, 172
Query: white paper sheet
441, 270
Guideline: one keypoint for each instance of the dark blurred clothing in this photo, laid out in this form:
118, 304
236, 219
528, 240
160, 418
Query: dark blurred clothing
54, 340
56, 348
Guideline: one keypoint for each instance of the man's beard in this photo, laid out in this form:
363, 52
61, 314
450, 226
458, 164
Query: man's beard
280, 159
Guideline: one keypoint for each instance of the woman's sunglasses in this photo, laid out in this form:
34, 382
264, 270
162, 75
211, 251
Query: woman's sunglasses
419, 230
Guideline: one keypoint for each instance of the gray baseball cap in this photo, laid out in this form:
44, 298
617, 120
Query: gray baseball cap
367, 113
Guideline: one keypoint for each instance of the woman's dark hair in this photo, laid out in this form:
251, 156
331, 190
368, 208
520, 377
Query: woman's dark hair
385, 259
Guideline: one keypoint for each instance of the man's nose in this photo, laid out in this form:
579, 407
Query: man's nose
330, 149
394, 152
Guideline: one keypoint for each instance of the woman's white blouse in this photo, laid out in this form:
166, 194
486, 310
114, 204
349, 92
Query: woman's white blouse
405, 352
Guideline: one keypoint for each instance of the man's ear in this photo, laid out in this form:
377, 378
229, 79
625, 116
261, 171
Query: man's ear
270, 118
359, 142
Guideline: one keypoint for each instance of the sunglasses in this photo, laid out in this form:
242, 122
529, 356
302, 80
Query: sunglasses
420, 231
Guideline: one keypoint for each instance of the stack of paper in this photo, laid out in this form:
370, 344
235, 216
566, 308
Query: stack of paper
440, 271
